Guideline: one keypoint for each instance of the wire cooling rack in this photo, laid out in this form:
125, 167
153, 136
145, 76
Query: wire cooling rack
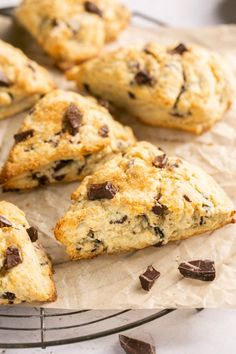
37, 327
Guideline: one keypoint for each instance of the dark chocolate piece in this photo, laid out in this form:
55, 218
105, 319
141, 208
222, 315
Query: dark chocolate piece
119, 221
21, 136
158, 244
200, 269
159, 209
104, 131
187, 198
4, 222
33, 233
13, 258
9, 296
180, 49
135, 346
59, 178
148, 278
60, 164
42, 180
131, 95
159, 232
102, 191
73, 118
160, 161
143, 78
92, 8
87, 88
4, 81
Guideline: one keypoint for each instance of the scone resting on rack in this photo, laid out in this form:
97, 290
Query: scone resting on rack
72, 31
22, 81
62, 139
139, 199
180, 87
26, 271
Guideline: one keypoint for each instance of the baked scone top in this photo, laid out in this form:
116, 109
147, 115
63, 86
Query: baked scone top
73, 30
64, 126
139, 199
25, 268
178, 86
20, 78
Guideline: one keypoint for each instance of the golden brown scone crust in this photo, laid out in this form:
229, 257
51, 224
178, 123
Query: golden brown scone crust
52, 153
22, 81
31, 279
72, 31
152, 205
180, 87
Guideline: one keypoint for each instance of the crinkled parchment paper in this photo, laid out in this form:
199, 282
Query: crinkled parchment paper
111, 282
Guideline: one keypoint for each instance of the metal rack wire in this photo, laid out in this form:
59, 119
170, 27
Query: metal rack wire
45, 326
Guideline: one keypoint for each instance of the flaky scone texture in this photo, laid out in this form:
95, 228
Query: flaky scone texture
141, 199
26, 271
72, 31
180, 87
22, 81
62, 139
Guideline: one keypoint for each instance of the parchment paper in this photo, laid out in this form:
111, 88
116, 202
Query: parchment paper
111, 282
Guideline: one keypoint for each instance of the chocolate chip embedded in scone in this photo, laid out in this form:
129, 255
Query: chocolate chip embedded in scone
200, 269
102, 191
12, 258
160, 161
33, 233
187, 88
22, 81
63, 139
149, 277
5, 222
73, 31
129, 204
135, 346
26, 271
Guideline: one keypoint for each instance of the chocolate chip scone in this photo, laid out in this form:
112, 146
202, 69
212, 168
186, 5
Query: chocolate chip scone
22, 81
72, 31
26, 271
62, 139
187, 88
139, 199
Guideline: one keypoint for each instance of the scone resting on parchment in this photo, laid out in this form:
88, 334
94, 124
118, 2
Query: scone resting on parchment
181, 87
140, 199
62, 139
26, 271
72, 31
22, 81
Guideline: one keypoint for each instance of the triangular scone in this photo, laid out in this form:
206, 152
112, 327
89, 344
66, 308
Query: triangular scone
72, 31
22, 81
26, 271
61, 140
187, 88
140, 199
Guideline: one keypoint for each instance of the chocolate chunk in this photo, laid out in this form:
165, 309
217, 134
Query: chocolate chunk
201, 221
119, 221
73, 118
42, 180
87, 88
4, 81
12, 258
148, 278
33, 233
180, 49
102, 191
23, 135
158, 244
187, 198
104, 131
159, 232
4, 222
159, 209
131, 95
61, 164
59, 178
135, 346
89, 6
200, 269
9, 296
160, 161
143, 78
